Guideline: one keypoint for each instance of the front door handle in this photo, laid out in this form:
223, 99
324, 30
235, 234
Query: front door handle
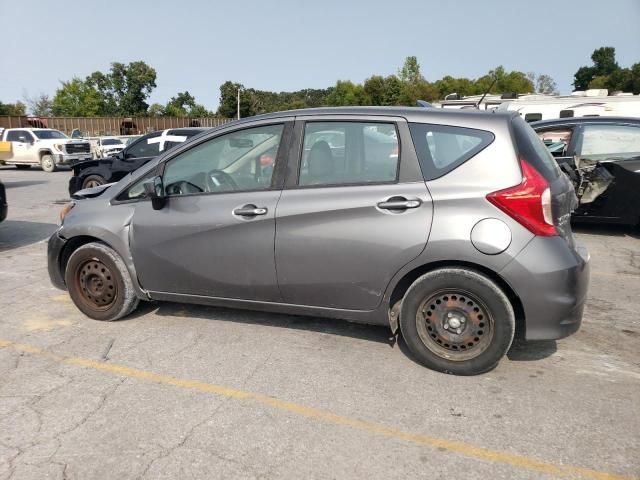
250, 211
399, 203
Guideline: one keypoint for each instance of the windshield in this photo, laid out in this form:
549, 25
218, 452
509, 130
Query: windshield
111, 141
49, 134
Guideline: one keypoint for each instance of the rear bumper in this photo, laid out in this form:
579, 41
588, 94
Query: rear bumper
551, 279
54, 251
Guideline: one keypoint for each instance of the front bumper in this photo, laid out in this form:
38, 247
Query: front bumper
55, 246
551, 279
71, 159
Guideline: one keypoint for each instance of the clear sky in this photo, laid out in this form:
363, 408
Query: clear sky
288, 45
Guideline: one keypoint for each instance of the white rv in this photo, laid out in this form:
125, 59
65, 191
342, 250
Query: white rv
533, 107
590, 103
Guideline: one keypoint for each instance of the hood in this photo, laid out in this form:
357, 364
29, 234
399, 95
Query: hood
91, 192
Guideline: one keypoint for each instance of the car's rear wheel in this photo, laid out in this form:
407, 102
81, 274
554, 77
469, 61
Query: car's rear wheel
47, 163
23, 167
457, 321
99, 282
93, 181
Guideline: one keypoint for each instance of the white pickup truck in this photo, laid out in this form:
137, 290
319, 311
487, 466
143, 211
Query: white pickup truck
45, 147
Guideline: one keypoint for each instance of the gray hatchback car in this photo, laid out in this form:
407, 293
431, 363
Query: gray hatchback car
451, 227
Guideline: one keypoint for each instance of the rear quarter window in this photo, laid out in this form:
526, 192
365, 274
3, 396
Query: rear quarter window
442, 148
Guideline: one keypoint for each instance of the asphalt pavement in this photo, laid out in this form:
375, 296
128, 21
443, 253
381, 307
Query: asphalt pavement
178, 391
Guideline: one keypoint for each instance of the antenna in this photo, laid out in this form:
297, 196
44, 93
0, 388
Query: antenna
485, 93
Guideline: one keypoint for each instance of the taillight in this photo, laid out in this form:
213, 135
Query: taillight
528, 203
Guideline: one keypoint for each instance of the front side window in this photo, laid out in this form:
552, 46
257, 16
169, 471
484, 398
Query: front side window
442, 148
600, 142
340, 153
238, 161
557, 141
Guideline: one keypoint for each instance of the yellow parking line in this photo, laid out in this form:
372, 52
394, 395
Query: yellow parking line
465, 449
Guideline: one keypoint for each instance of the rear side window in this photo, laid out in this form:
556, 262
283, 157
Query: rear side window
442, 148
533, 150
349, 153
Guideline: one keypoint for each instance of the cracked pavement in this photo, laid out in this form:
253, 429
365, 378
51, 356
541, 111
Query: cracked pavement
570, 402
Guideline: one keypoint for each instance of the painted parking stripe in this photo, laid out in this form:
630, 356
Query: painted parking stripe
461, 448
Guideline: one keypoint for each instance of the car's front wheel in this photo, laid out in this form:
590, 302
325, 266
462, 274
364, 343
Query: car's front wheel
99, 283
457, 321
93, 181
47, 163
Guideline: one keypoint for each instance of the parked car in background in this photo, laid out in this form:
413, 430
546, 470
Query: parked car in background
108, 146
133, 156
601, 155
3, 202
44, 147
452, 225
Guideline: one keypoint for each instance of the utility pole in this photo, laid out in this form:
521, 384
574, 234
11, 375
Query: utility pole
238, 104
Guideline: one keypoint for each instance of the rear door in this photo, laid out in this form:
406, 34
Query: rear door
354, 211
215, 235
21, 144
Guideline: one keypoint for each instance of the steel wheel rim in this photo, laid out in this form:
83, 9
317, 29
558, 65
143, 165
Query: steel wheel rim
455, 324
96, 285
92, 184
47, 163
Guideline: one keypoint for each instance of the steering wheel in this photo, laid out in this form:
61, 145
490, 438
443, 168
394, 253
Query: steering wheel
217, 179
182, 188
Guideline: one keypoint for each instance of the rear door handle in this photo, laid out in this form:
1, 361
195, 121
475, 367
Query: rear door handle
399, 204
250, 211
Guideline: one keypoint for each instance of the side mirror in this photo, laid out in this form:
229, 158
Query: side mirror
155, 191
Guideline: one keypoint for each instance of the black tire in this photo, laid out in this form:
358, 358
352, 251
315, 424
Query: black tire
93, 181
482, 321
99, 283
23, 167
47, 163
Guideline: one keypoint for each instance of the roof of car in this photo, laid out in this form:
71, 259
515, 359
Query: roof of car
570, 121
417, 114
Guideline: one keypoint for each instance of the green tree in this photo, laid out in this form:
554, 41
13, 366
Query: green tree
345, 93
604, 73
543, 83
604, 61
39, 105
76, 98
374, 89
155, 110
228, 100
410, 71
184, 105
17, 108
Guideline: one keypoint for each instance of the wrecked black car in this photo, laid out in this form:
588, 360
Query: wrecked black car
601, 156
93, 173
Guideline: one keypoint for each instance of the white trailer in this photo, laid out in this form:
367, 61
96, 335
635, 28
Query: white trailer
592, 103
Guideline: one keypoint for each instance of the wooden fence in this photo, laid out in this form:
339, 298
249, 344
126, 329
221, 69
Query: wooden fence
97, 126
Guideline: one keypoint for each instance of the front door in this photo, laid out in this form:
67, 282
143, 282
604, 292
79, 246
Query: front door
357, 212
215, 235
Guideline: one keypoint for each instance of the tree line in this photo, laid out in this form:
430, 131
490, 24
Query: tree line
125, 89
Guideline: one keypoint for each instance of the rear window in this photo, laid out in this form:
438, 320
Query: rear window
442, 148
533, 150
